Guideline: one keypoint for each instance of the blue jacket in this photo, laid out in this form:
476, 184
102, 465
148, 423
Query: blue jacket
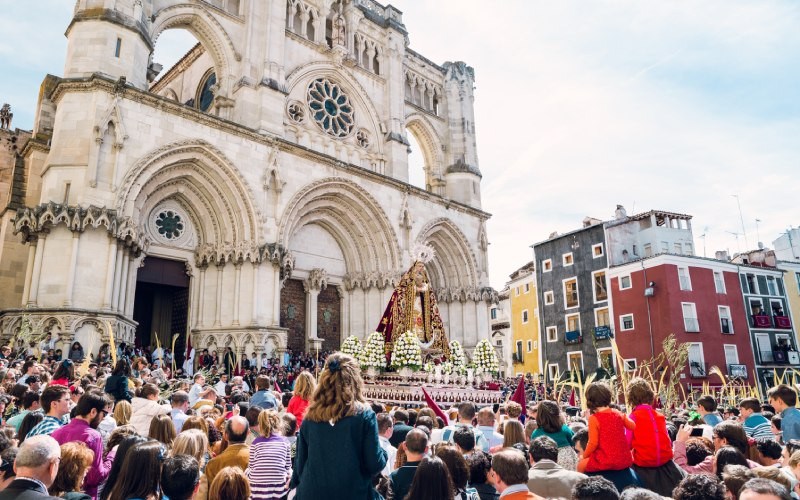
264, 399
790, 424
338, 462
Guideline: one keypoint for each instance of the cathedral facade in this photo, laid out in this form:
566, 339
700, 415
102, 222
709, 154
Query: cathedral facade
254, 195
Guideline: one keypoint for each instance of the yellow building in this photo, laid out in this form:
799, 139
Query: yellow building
525, 344
791, 279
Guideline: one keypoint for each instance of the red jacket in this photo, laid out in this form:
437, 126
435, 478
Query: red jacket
612, 452
651, 444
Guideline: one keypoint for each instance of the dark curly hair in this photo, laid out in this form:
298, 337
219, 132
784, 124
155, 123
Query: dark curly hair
595, 488
699, 487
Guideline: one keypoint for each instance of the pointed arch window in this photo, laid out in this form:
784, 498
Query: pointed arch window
205, 96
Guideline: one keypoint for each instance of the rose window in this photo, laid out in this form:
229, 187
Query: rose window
169, 224
330, 108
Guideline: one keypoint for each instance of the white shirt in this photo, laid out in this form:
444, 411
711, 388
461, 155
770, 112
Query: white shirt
220, 387
194, 393
391, 455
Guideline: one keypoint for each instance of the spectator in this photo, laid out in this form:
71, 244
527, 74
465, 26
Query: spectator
180, 405
123, 449
707, 408
263, 396
76, 352
763, 489
221, 384
509, 475
303, 390
192, 442
384, 434
479, 464
459, 472
122, 413
145, 407
197, 388
784, 398
756, 426
768, 452
513, 433
775, 428
697, 449
117, 384
337, 409
162, 430
180, 477
401, 427
91, 409
7, 473
55, 402
228, 484
550, 424
734, 477
727, 455
430, 482
270, 460
546, 478
30, 402
699, 487
594, 488
237, 454
75, 461
36, 467
486, 427
30, 421
775, 474
140, 475
727, 433
466, 413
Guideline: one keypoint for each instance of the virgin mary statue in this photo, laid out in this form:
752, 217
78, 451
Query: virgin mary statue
413, 308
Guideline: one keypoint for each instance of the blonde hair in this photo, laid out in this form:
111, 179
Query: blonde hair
794, 460
338, 393
269, 423
162, 429
122, 412
230, 482
513, 433
192, 442
513, 409
304, 386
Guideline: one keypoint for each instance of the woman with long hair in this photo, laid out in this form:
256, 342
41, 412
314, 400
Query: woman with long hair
122, 412
162, 429
270, 459
303, 390
117, 383
459, 471
116, 468
229, 483
28, 423
76, 352
192, 442
513, 433
550, 423
65, 373
338, 452
117, 436
76, 458
431, 481
200, 423
141, 472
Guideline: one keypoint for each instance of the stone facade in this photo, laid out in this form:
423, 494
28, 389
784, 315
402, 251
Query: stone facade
292, 162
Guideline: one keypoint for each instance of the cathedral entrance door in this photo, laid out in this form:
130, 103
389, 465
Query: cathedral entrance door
161, 305
328, 319
293, 314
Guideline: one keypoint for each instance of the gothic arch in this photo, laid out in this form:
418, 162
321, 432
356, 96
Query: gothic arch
352, 216
204, 181
454, 264
304, 74
207, 29
431, 145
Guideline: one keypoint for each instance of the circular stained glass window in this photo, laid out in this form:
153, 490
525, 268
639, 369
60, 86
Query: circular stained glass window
169, 224
330, 107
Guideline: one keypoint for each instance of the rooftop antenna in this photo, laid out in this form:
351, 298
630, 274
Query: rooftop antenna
736, 235
744, 231
705, 230
758, 233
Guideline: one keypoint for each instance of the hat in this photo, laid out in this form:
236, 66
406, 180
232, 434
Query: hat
202, 402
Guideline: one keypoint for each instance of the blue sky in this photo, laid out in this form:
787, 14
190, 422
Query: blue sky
579, 106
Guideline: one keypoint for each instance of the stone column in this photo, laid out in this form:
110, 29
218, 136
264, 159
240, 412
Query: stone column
344, 313
73, 265
33, 298
116, 268
256, 309
130, 289
317, 280
26, 292
236, 291
218, 309
123, 286
201, 293
276, 295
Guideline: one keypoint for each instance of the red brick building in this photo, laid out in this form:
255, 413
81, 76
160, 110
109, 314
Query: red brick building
697, 299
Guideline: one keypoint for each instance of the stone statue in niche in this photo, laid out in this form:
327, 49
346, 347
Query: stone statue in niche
338, 35
5, 117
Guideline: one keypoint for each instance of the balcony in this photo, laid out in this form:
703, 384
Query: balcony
761, 321
573, 337
602, 332
691, 325
783, 322
737, 371
698, 369
516, 358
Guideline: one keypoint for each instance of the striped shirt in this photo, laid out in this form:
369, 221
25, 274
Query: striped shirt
270, 467
757, 426
46, 426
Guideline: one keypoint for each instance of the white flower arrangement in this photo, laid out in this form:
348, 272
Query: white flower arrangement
352, 346
485, 358
458, 358
428, 367
447, 368
407, 352
373, 353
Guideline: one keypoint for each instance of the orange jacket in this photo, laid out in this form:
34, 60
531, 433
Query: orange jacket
651, 444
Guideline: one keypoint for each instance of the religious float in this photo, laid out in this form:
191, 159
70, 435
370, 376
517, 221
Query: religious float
409, 350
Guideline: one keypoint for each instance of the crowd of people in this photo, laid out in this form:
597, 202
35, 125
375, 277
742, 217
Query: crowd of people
299, 427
